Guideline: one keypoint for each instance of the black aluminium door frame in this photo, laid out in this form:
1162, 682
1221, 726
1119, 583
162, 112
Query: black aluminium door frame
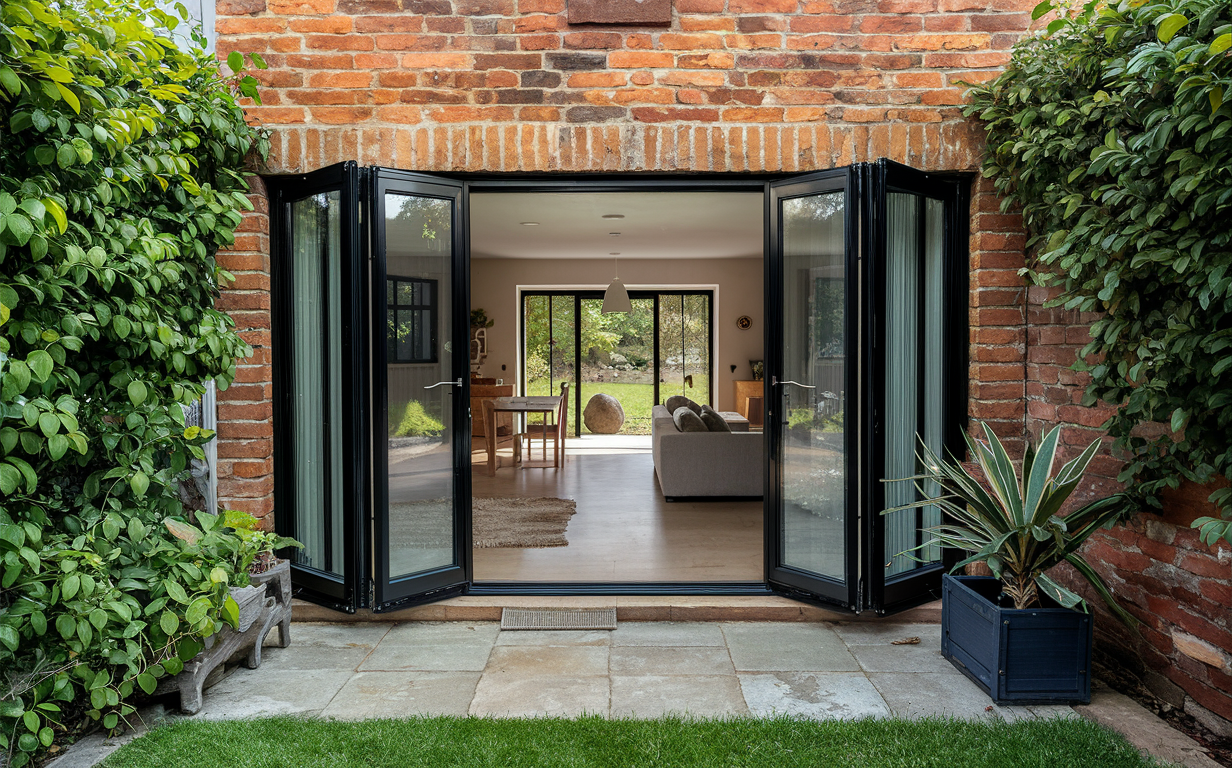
578, 296
389, 591
860, 593
342, 590
953, 189
790, 581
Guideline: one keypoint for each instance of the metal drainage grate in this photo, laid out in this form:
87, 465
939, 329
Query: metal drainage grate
558, 618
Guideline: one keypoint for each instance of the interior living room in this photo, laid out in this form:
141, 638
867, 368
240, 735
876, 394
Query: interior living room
592, 312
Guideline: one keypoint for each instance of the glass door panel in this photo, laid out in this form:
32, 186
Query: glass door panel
316, 270
422, 436
316, 399
810, 422
915, 300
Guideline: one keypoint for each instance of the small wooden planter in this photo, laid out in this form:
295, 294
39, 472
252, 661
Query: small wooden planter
1018, 656
266, 602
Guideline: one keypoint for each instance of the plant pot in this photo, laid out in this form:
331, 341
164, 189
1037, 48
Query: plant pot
250, 603
1018, 656
277, 583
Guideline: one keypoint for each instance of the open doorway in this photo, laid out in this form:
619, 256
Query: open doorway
693, 265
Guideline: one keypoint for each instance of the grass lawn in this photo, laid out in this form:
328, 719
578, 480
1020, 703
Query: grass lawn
593, 741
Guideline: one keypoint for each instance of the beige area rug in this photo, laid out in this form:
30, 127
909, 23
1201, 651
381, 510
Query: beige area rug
497, 523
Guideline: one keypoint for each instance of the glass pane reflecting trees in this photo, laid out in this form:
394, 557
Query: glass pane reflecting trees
813, 463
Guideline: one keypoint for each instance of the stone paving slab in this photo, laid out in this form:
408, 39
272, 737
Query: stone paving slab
688, 695
668, 633
946, 694
562, 695
403, 694
816, 670
788, 647
548, 661
813, 695
456, 657
671, 660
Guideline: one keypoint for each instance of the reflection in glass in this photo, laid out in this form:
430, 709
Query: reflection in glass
419, 237
814, 462
316, 380
913, 364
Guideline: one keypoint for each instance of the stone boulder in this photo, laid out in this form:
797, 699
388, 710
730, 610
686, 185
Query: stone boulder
603, 415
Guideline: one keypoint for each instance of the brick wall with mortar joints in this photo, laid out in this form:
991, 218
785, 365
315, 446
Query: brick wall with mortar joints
245, 409
1180, 588
731, 85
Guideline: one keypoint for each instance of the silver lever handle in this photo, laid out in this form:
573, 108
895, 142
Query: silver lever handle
456, 383
798, 384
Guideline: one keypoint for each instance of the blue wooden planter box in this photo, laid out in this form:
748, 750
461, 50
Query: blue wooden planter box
1017, 656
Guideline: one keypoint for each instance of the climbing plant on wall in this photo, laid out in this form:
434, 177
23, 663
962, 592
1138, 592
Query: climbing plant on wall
121, 175
1112, 133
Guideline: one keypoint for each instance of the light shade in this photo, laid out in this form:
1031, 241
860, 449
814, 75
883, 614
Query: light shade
616, 298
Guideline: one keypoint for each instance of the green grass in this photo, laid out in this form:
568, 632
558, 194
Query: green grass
592, 741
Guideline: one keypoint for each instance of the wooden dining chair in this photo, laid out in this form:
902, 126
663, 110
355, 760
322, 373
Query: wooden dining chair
555, 432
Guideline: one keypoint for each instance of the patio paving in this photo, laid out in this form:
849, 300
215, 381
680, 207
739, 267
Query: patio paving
817, 670
642, 669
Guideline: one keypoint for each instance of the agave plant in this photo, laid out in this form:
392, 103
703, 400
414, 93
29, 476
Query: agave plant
1013, 522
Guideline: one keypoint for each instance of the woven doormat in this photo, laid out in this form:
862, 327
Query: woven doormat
558, 618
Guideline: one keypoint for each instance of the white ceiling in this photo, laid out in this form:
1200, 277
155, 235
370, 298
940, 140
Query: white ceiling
656, 225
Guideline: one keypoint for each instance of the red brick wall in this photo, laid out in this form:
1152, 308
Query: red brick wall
731, 85
245, 410
1177, 586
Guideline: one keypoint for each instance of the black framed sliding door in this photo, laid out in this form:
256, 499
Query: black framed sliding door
318, 282
812, 396
421, 420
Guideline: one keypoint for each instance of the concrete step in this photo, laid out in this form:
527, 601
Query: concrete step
628, 608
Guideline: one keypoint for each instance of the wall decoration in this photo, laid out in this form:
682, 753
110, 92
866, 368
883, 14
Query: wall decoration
744, 322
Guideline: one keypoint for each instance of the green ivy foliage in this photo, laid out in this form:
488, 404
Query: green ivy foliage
122, 164
1111, 132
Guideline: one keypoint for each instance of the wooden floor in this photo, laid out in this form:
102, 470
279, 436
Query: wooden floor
623, 531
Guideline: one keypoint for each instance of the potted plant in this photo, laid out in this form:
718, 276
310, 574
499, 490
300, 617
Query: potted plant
1019, 634
260, 598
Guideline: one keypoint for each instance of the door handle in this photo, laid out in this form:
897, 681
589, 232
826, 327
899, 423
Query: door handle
798, 384
456, 383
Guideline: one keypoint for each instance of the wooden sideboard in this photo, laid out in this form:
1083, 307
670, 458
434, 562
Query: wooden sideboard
745, 390
481, 392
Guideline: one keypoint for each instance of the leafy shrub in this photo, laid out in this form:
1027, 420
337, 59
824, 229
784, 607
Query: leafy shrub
121, 160
416, 422
1112, 132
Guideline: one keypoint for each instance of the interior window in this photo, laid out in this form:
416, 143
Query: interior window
412, 320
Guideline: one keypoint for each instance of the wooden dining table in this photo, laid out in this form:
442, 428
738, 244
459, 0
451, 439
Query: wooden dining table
548, 405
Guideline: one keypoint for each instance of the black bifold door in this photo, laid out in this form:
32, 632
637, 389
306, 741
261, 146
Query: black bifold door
370, 380
865, 356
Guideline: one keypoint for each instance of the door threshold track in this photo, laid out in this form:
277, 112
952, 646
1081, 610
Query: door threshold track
720, 608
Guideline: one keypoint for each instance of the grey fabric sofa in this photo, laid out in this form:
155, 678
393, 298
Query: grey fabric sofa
699, 464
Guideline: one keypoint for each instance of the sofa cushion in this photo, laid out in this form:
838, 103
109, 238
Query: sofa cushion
688, 421
676, 401
713, 421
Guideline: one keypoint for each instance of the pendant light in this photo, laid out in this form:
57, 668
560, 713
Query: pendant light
616, 298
